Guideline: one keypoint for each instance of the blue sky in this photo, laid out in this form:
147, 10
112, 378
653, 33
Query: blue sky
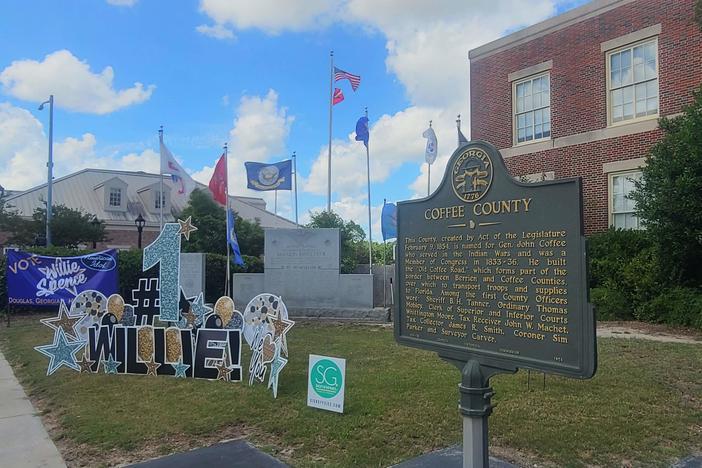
254, 74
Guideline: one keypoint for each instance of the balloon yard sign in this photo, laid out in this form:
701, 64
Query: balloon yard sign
162, 332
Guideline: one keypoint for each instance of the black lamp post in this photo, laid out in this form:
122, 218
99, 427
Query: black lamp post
95, 223
140, 222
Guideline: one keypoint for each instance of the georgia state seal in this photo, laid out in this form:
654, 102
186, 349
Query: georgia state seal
471, 175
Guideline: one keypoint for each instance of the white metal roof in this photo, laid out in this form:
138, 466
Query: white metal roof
79, 191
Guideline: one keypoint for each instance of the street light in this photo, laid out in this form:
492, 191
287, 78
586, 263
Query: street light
50, 166
95, 223
140, 222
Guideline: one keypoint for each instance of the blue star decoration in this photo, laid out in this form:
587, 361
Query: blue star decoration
199, 308
61, 352
276, 366
180, 369
110, 366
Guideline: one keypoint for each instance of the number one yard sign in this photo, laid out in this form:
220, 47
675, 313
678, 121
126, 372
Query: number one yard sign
162, 332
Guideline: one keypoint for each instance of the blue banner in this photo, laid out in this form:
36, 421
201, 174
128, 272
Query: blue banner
36, 280
269, 176
388, 221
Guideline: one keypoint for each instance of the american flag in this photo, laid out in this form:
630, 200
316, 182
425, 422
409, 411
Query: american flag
340, 74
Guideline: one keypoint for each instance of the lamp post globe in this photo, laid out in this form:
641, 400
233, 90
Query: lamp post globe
140, 222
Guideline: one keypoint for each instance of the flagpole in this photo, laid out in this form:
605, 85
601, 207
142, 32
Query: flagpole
275, 203
227, 281
385, 267
429, 172
160, 202
370, 226
294, 158
331, 97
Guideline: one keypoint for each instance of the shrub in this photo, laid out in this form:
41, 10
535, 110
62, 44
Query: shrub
217, 271
674, 306
610, 251
611, 304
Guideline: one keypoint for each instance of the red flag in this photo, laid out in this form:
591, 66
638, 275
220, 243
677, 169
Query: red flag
338, 96
218, 182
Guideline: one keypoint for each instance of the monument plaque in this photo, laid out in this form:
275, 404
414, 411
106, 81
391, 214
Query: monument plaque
491, 274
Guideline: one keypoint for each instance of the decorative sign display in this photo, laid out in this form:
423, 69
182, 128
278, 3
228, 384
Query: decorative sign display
163, 332
326, 383
494, 270
37, 280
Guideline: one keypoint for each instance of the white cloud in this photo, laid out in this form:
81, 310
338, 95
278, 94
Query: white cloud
218, 31
127, 3
427, 45
428, 42
394, 140
24, 149
72, 83
271, 16
259, 133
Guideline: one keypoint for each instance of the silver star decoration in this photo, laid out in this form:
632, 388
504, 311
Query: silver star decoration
61, 352
198, 307
276, 366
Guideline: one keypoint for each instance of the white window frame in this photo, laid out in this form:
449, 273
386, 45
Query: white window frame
163, 200
610, 196
113, 191
608, 79
515, 127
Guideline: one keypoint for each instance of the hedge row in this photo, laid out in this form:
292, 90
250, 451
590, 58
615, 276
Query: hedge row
626, 285
129, 265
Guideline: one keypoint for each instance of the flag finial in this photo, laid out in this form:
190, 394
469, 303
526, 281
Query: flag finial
430, 124
366, 111
458, 121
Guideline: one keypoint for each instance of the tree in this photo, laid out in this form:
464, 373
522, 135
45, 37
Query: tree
351, 235
69, 227
211, 237
669, 197
698, 12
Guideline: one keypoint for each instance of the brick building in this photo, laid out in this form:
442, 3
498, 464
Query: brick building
118, 197
580, 94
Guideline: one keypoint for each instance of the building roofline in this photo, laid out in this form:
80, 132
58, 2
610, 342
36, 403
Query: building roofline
73, 174
576, 15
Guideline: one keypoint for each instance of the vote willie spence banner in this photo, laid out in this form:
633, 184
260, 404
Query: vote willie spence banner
37, 280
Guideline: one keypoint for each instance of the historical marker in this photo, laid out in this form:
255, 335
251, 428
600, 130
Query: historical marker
492, 275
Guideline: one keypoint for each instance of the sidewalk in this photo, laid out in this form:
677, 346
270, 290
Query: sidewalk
25, 442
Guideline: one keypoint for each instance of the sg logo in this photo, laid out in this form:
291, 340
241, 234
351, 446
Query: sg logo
326, 379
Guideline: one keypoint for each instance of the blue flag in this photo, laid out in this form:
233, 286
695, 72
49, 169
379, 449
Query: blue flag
273, 176
388, 221
362, 130
231, 238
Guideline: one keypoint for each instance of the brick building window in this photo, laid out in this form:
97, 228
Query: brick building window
115, 196
532, 108
622, 208
633, 81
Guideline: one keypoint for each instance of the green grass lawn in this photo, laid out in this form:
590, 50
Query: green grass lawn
644, 406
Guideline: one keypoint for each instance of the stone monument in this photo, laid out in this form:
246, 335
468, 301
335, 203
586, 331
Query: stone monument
303, 267
192, 273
